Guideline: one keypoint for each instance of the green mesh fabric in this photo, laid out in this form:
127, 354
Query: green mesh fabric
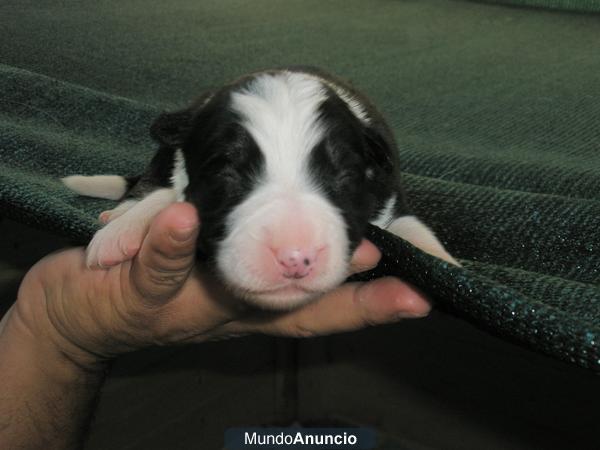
565, 5
495, 109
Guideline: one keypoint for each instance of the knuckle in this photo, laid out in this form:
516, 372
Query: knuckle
302, 331
166, 278
173, 253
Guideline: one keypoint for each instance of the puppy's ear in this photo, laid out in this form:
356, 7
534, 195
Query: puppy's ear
380, 146
172, 129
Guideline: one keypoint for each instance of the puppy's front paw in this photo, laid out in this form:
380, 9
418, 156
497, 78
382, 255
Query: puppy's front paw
118, 241
112, 214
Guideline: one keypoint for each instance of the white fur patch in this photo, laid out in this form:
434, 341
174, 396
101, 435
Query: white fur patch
353, 103
179, 178
418, 234
281, 112
387, 213
269, 215
286, 209
111, 187
122, 237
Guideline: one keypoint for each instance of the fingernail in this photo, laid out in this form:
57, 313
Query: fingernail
183, 234
411, 315
396, 301
364, 268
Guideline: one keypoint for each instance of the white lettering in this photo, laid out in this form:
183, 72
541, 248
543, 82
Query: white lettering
250, 440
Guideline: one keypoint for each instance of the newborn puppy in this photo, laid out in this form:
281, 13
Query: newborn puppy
285, 167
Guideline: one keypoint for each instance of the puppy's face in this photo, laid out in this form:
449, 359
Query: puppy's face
282, 175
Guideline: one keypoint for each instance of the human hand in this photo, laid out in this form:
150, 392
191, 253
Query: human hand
160, 298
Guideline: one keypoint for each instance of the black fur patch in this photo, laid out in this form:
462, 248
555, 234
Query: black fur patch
224, 165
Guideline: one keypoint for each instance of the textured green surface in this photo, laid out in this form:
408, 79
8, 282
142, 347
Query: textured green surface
496, 111
566, 5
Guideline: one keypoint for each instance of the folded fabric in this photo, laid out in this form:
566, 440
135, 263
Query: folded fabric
52, 129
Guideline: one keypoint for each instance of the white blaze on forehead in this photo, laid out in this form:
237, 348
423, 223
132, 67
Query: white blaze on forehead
353, 103
281, 112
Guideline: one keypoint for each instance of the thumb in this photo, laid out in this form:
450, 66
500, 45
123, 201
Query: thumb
365, 257
167, 254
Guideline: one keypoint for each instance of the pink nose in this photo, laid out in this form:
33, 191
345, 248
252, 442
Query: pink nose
296, 262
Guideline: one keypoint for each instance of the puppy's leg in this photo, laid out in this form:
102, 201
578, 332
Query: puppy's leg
418, 234
112, 187
122, 237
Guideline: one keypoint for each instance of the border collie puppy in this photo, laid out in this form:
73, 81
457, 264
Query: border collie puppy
286, 167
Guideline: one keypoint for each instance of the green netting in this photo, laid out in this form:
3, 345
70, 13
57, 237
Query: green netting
496, 112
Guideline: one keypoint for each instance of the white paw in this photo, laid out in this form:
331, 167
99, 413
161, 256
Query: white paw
111, 214
118, 241
418, 234
126, 228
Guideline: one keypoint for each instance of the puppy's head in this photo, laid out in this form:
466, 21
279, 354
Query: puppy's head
284, 172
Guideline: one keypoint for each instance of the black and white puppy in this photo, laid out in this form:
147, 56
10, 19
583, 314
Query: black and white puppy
286, 167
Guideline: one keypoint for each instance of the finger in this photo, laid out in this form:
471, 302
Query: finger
167, 254
365, 257
350, 307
